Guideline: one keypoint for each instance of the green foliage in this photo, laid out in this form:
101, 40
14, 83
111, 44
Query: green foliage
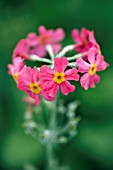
20, 149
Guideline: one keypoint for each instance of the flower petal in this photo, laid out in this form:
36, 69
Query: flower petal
47, 96
22, 84
21, 50
66, 88
91, 55
25, 78
84, 81
71, 74
96, 78
46, 73
93, 40
60, 64
50, 88
101, 64
53, 91
58, 35
35, 74
75, 35
11, 69
32, 39
83, 66
18, 64
42, 30
93, 79
84, 34
47, 85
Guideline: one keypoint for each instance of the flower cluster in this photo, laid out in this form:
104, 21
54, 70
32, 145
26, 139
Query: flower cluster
48, 79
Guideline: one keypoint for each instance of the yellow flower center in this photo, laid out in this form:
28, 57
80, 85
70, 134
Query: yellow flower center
35, 88
59, 77
44, 39
15, 77
93, 69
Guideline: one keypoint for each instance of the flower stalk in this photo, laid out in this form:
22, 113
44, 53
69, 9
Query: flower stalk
51, 160
59, 122
34, 57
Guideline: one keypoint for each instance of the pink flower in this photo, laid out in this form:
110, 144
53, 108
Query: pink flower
16, 67
52, 80
95, 63
84, 40
29, 82
45, 37
21, 50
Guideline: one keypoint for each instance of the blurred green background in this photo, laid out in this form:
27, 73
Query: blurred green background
92, 149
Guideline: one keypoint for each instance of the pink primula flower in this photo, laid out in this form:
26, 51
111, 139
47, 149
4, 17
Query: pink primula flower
95, 63
46, 37
58, 78
16, 67
29, 82
84, 40
21, 50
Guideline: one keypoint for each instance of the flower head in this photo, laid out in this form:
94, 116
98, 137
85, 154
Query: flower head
46, 37
95, 63
29, 82
16, 67
84, 40
56, 79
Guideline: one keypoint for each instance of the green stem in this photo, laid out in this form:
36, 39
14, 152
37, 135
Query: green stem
65, 50
50, 51
73, 64
52, 122
51, 160
34, 57
76, 56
